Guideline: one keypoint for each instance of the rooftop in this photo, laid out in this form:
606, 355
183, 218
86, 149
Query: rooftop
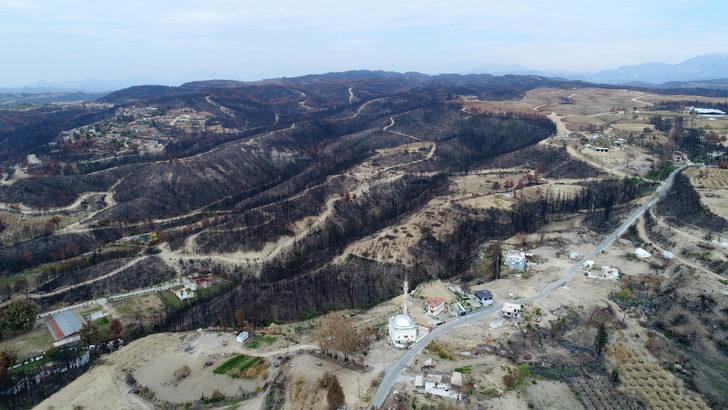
64, 324
435, 302
485, 293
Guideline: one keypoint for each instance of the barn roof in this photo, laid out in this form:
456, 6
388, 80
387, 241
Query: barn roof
64, 324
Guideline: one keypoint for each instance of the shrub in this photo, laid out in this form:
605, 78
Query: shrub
181, 373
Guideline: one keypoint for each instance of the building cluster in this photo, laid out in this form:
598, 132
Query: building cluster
191, 284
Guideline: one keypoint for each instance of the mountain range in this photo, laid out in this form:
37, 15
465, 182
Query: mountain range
701, 69
698, 72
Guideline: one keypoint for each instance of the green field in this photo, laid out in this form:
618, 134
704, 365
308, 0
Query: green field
237, 364
257, 340
28, 344
465, 369
170, 300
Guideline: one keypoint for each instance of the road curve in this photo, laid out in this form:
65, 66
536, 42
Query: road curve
393, 371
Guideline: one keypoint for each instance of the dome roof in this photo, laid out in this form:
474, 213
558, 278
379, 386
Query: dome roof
403, 321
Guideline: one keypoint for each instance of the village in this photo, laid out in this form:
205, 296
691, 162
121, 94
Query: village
477, 364
464, 365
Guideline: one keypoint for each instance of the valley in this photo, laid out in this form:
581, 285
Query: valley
293, 207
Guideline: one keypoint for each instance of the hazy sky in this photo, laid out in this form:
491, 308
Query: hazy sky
62, 40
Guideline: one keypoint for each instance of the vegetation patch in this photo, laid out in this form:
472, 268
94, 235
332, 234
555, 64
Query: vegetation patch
241, 366
517, 377
257, 340
440, 350
170, 300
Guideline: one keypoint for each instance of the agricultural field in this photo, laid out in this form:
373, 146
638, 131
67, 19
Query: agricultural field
259, 340
644, 378
712, 185
242, 366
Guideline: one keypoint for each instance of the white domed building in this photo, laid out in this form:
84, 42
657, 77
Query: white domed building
403, 330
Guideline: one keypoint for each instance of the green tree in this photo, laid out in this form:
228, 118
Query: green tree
18, 316
496, 257
615, 375
90, 332
600, 341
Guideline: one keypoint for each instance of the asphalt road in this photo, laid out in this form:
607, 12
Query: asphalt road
393, 372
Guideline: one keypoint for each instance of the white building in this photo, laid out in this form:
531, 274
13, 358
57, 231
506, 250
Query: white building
516, 259
403, 330
705, 111
511, 310
485, 297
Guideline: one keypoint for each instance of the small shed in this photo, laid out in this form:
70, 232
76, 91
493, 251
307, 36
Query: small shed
456, 379
242, 337
642, 254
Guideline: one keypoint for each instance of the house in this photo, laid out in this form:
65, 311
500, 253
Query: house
435, 305
601, 149
516, 259
485, 297
65, 327
511, 310
242, 337
202, 281
576, 255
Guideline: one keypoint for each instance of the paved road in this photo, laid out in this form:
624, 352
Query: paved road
393, 372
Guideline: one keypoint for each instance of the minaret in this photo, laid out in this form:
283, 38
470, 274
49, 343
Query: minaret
404, 303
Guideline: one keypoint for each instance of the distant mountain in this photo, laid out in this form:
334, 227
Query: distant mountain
706, 67
98, 85
700, 68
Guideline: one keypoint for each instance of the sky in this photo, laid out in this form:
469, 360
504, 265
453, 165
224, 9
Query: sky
67, 40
